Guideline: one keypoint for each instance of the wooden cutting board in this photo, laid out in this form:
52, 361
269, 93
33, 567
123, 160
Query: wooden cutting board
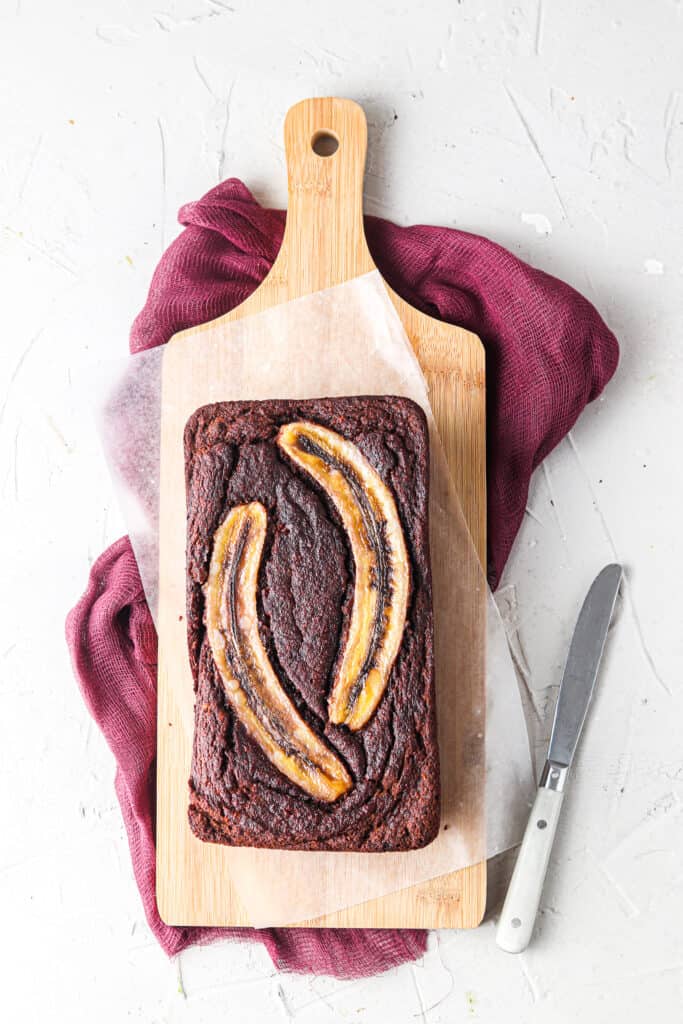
324, 245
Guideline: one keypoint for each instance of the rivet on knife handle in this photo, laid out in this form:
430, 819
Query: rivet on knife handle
524, 894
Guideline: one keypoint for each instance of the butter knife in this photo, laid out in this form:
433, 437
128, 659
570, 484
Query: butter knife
517, 918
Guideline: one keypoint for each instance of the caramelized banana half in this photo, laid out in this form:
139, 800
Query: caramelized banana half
251, 686
368, 512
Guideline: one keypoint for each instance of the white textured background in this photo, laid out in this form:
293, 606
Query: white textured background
557, 129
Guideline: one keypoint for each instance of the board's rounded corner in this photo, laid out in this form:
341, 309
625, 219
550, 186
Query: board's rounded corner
478, 919
479, 892
164, 911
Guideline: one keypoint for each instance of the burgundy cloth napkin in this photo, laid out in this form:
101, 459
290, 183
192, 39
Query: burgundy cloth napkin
548, 354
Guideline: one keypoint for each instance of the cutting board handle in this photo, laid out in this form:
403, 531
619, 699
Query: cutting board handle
324, 241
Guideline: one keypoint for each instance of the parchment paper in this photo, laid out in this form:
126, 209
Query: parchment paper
348, 340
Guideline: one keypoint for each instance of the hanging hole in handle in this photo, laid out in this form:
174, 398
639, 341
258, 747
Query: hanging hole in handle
324, 143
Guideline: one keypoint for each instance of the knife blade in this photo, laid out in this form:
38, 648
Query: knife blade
518, 915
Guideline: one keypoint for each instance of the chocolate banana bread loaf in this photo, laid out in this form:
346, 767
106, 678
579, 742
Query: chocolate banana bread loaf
310, 627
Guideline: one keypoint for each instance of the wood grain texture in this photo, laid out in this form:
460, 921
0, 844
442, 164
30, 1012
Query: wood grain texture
324, 244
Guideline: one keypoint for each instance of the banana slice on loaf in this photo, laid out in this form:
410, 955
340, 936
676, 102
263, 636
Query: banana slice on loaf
382, 581
250, 683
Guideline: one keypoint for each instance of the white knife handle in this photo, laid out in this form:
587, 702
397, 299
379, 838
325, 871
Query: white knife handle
517, 919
